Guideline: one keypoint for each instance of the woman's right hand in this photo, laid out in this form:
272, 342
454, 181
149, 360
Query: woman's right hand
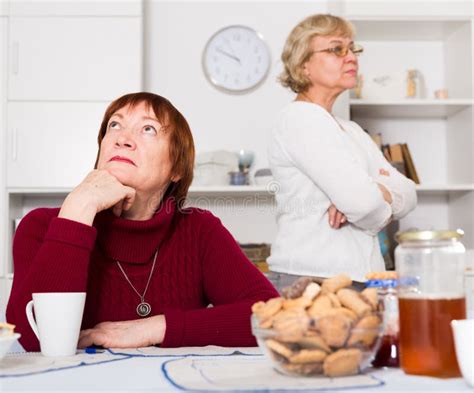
98, 191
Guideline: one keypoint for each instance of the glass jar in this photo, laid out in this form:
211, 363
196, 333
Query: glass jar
430, 266
387, 354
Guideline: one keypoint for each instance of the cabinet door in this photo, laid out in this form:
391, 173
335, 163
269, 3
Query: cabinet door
51, 144
74, 58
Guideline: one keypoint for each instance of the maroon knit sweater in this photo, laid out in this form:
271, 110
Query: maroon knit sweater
199, 263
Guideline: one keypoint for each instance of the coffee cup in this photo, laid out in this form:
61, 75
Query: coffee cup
463, 331
57, 321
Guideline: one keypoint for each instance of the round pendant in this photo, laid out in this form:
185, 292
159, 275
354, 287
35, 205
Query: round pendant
143, 309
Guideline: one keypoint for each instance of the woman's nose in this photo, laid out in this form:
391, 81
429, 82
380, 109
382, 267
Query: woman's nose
125, 139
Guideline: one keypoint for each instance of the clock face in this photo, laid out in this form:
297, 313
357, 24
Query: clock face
236, 59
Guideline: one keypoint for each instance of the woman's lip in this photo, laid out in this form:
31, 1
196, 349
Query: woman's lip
122, 159
352, 72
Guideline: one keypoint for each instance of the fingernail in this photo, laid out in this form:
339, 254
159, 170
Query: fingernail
331, 222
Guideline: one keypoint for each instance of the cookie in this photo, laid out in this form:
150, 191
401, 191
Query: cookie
365, 332
263, 311
351, 299
313, 340
370, 296
311, 291
303, 369
334, 329
308, 356
297, 288
333, 284
279, 348
334, 300
320, 306
299, 302
293, 327
342, 362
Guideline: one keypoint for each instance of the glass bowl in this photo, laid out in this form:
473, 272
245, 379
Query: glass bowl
6, 343
298, 346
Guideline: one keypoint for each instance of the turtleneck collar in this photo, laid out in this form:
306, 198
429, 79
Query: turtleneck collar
133, 241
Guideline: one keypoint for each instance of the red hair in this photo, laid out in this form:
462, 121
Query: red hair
181, 140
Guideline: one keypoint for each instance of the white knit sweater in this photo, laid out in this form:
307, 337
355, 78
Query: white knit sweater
315, 162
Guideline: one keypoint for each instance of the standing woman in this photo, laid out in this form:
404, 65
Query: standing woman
149, 266
336, 190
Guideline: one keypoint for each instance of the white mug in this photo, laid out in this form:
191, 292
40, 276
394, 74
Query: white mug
463, 331
57, 321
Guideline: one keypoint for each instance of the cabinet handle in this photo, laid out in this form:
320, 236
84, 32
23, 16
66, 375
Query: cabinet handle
14, 143
15, 57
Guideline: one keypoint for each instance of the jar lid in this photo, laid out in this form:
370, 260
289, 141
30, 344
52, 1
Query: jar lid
415, 235
382, 283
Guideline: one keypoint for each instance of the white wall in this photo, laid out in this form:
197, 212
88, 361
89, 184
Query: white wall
175, 35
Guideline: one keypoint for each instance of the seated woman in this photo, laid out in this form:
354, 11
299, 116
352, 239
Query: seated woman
149, 266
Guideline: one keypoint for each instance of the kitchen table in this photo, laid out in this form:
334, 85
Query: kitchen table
167, 370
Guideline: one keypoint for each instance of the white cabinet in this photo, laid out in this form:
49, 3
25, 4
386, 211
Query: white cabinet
61, 63
74, 58
51, 145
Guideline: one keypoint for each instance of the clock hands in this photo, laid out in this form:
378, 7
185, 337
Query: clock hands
228, 55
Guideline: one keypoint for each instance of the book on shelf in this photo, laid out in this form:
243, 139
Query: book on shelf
410, 169
399, 156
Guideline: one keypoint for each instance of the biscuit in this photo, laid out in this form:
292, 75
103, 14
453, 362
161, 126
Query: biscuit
388, 275
303, 369
308, 356
297, 288
313, 341
351, 299
370, 296
365, 332
334, 329
341, 311
299, 302
264, 311
342, 362
291, 327
333, 284
320, 306
334, 300
311, 291
279, 348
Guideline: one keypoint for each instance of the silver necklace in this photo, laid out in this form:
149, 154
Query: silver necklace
143, 308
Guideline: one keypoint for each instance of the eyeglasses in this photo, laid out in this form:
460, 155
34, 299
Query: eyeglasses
342, 51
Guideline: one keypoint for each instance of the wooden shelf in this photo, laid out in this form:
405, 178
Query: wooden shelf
408, 108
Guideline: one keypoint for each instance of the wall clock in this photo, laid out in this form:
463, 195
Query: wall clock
236, 59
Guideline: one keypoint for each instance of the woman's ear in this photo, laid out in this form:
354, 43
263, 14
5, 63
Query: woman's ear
305, 70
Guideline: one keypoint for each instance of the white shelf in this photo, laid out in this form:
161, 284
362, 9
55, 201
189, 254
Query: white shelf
444, 188
408, 108
193, 191
229, 190
234, 190
416, 29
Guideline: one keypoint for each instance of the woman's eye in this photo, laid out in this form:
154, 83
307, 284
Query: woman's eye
149, 130
113, 125
338, 50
